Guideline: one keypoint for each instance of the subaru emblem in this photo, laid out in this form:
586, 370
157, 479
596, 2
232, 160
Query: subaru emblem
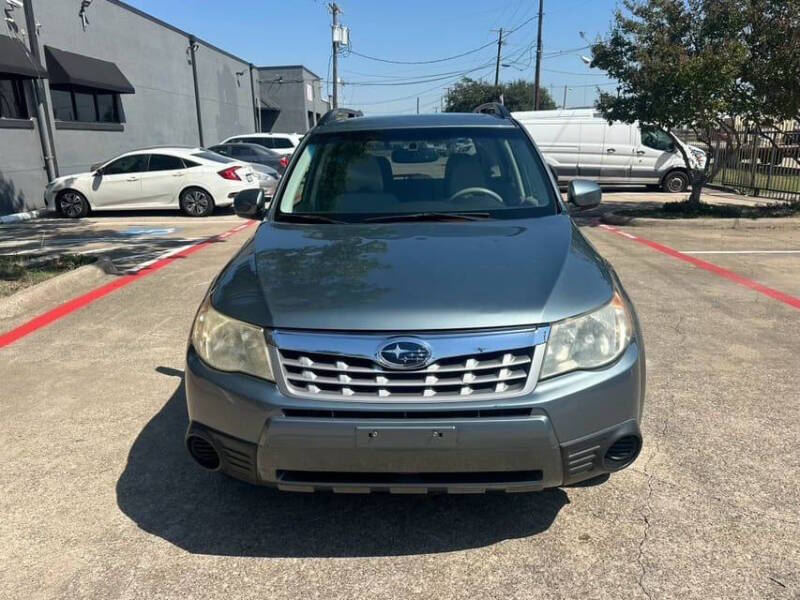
404, 353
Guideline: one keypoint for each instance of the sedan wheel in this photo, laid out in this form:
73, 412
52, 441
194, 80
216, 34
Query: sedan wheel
196, 202
73, 205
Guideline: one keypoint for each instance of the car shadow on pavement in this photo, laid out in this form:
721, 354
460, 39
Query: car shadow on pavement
166, 494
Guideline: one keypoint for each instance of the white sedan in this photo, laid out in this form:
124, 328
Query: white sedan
192, 179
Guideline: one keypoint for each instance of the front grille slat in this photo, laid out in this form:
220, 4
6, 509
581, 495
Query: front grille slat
346, 367
425, 382
484, 374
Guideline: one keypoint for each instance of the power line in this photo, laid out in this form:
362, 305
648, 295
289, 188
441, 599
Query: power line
422, 62
438, 60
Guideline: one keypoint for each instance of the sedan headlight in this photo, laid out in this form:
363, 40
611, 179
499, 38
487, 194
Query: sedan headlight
590, 340
230, 345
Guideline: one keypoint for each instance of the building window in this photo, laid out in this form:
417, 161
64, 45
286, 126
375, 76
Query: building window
85, 105
12, 99
310, 120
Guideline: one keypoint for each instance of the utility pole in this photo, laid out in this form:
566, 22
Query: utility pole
564, 103
497, 65
538, 59
417, 104
335, 10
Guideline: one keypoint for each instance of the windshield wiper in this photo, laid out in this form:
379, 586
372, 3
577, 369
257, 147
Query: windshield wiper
301, 218
430, 216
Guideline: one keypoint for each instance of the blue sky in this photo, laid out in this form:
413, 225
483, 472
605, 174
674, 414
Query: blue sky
267, 32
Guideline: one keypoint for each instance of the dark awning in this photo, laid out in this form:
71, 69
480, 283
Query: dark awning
15, 60
68, 68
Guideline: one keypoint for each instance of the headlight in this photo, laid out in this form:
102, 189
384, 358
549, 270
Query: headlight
588, 341
230, 345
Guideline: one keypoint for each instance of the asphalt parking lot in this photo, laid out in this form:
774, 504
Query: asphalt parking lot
100, 499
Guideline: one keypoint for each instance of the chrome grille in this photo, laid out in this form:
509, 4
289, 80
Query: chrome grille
489, 370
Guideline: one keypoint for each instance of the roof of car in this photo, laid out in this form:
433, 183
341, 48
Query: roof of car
166, 148
415, 121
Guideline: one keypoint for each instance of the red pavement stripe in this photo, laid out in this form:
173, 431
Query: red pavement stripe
71, 306
792, 301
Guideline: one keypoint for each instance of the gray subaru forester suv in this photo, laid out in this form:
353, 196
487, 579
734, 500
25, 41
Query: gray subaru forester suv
416, 312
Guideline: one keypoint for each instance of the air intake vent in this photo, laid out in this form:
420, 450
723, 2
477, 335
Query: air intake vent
203, 452
402, 414
623, 451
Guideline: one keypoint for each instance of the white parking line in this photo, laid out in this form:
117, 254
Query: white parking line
166, 254
740, 251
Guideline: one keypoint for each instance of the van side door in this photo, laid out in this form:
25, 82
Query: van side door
590, 157
617, 152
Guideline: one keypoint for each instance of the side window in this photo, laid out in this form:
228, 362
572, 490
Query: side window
240, 151
62, 105
133, 163
657, 139
189, 163
164, 162
224, 150
12, 99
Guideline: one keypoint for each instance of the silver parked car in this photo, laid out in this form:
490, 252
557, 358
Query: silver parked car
407, 320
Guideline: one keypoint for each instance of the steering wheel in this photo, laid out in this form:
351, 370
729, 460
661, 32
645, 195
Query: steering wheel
476, 190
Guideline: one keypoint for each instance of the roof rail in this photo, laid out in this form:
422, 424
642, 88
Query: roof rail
339, 114
493, 108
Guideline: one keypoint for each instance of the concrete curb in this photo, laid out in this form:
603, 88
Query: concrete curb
612, 218
54, 291
24, 216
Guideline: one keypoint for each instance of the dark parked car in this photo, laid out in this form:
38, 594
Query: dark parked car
253, 153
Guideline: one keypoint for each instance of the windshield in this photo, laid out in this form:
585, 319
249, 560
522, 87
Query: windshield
374, 175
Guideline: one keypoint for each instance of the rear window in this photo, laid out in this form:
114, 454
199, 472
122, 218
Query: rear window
212, 156
282, 143
355, 175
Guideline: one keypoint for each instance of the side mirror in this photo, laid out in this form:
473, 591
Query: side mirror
584, 193
249, 204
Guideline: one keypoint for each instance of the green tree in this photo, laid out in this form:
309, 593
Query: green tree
701, 64
517, 95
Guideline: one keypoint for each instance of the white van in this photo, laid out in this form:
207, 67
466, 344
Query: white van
579, 143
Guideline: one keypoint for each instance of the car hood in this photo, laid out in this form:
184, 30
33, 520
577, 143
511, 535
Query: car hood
70, 179
413, 276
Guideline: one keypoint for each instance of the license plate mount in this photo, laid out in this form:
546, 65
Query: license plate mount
417, 437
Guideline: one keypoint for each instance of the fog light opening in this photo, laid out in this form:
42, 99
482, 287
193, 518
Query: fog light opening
623, 452
203, 452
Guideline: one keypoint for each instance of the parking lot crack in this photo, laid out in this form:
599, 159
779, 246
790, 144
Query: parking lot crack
647, 512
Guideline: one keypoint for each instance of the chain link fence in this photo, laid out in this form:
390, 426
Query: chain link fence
763, 162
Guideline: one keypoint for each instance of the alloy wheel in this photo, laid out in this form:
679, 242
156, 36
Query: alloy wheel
71, 204
196, 202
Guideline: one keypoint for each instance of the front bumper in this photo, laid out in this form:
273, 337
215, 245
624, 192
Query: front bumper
558, 434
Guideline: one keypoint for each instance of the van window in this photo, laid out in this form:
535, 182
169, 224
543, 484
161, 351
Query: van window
657, 139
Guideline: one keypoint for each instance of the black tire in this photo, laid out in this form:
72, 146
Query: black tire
72, 204
196, 202
675, 182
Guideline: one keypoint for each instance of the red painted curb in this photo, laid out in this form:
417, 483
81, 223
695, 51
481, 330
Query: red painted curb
71, 306
792, 301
